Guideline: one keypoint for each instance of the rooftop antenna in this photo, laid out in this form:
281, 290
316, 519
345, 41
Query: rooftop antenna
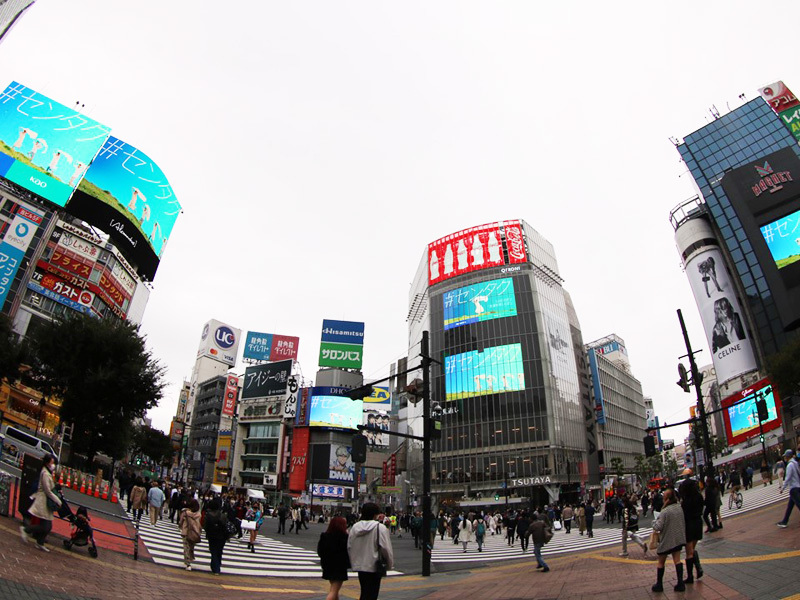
742, 97
674, 141
714, 112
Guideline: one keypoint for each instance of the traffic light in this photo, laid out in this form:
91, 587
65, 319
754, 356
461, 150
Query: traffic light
761, 438
649, 446
761, 407
360, 393
497, 496
359, 448
683, 382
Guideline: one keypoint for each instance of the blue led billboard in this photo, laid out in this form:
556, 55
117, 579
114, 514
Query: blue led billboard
480, 302
47, 146
783, 239
330, 407
495, 370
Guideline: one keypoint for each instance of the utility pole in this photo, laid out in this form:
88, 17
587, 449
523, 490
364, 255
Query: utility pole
426, 455
696, 381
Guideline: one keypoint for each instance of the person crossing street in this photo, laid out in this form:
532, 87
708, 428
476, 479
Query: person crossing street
792, 483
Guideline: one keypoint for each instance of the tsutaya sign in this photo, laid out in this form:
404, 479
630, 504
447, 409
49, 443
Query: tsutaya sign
526, 481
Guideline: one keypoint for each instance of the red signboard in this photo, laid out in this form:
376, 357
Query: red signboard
62, 288
283, 347
82, 284
231, 395
299, 465
68, 261
740, 415
474, 249
779, 96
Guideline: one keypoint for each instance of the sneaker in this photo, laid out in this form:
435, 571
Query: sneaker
43, 548
546, 570
782, 525
188, 567
24, 534
623, 554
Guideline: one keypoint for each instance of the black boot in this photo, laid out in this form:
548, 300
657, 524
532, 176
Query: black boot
679, 587
658, 586
698, 568
689, 573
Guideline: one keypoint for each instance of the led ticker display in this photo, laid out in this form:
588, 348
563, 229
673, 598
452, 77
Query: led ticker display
475, 248
783, 239
481, 302
46, 147
495, 370
329, 407
740, 415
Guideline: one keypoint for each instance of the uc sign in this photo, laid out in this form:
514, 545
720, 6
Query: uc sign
224, 337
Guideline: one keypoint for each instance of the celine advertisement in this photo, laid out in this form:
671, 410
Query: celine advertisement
731, 347
45, 146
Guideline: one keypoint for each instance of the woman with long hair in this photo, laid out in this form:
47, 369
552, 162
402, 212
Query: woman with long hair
672, 530
332, 551
189, 523
258, 517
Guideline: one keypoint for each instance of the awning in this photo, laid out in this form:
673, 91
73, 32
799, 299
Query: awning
744, 453
257, 494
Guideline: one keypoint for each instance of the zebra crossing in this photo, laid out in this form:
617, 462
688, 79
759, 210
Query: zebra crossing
496, 547
272, 558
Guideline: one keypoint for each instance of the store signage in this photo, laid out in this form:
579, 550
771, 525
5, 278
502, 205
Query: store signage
526, 481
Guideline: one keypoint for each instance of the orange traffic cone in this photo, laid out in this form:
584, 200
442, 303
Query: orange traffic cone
75, 483
97, 489
61, 478
83, 485
105, 491
114, 498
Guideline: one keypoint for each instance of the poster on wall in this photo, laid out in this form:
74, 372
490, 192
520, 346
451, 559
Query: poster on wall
731, 348
17, 239
495, 370
480, 302
341, 467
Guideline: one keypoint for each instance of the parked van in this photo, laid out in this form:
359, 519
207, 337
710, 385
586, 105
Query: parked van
18, 442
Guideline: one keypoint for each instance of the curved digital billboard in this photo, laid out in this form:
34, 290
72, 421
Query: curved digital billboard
123, 181
740, 415
495, 370
46, 147
480, 302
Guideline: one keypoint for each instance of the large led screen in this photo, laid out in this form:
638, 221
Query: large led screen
740, 416
481, 302
783, 239
329, 407
45, 146
127, 195
492, 371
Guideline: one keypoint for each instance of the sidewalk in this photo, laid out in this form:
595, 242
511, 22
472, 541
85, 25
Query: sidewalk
750, 558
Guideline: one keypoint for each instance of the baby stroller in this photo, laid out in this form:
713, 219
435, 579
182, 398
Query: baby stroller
82, 534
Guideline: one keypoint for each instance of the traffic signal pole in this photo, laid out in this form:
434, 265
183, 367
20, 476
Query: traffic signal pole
700, 405
427, 547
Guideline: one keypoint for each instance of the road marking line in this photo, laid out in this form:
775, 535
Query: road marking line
708, 561
243, 588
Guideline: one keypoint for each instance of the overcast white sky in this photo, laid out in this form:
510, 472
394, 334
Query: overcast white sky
317, 147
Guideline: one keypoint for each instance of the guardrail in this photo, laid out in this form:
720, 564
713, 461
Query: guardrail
9, 501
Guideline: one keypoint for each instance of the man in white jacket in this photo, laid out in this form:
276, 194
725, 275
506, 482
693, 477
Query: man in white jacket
368, 542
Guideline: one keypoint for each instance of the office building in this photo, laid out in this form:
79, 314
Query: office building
509, 389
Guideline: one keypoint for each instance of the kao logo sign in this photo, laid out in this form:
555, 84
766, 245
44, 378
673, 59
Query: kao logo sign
224, 337
22, 230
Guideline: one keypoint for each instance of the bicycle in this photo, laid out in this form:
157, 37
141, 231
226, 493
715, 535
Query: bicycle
736, 498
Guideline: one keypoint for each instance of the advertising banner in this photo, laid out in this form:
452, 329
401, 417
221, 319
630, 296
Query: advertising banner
15, 244
328, 491
303, 399
732, 351
290, 405
475, 248
480, 302
231, 395
223, 449
330, 407
779, 97
344, 356
379, 399
269, 347
495, 370
221, 342
791, 119
341, 466
46, 146
343, 332
299, 461
741, 420
376, 421
272, 379
599, 402
783, 239
262, 408
126, 194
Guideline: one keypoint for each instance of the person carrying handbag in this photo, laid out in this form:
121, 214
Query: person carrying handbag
45, 502
370, 549
189, 523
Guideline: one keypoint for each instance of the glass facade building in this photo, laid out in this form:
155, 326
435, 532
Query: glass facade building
742, 136
508, 385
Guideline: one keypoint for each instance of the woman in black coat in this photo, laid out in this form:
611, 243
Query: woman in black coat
332, 551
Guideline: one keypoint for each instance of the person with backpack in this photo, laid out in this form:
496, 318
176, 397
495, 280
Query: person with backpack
541, 534
480, 533
416, 529
189, 523
215, 523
